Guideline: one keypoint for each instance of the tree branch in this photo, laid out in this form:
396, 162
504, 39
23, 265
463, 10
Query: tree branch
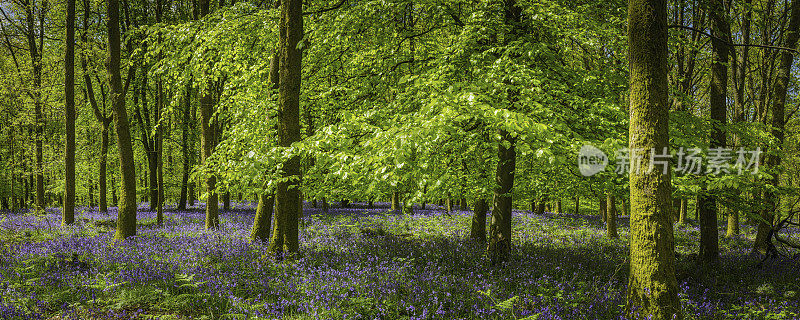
795, 51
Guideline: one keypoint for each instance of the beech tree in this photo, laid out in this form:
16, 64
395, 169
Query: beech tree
652, 287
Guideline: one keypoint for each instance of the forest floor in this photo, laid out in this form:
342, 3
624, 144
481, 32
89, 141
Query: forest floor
360, 263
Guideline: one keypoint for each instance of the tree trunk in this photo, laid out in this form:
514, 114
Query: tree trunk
103, 188
186, 191
559, 208
478, 230
733, 222
601, 208
263, 219
611, 217
226, 201
126, 222
69, 115
652, 287
709, 231
577, 205
683, 209
35, 51
287, 196
395, 201
540, 207
771, 199
499, 249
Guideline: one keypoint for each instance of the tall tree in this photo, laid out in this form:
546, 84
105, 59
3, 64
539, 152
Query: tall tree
771, 199
126, 221
499, 248
287, 195
652, 288
709, 231
266, 201
69, 116
739, 64
208, 141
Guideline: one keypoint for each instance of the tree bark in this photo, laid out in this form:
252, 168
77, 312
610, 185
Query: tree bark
652, 288
611, 217
69, 115
126, 221
287, 196
709, 231
683, 209
185, 149
499, 249
478, 229
396, 201
263, 219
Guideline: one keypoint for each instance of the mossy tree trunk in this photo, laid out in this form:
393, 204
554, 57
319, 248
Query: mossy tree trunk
733, 222
652, 288
126, 221
263, 219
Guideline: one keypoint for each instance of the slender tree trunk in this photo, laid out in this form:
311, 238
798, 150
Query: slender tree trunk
739, 67
733, 222
395, 200
577, 205
287, 196
187, 156
226, 201
771, 199
126, 222
683, 209
559, 208
191, 194
103, 188
114, 187
601, 208
652, 288
478, 230
69, 115
611, 219
709, 231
